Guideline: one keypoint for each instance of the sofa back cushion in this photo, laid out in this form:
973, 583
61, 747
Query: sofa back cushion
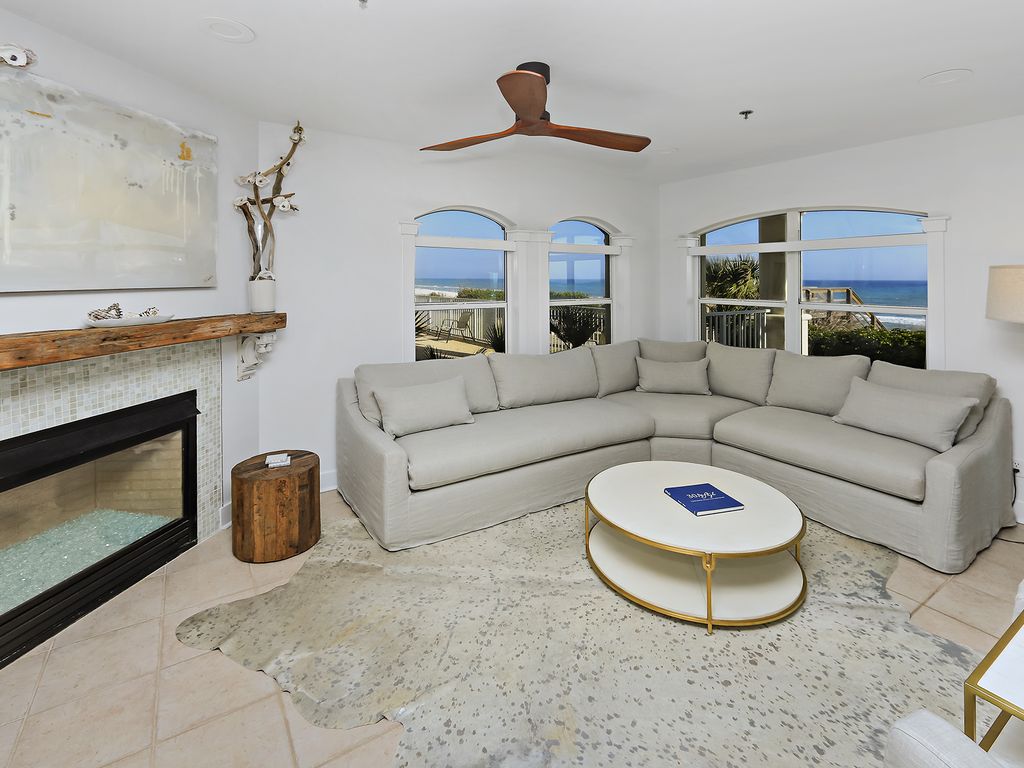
980, 386
538, 379
815, 384
474, 370
745, 374
422, 407
918, 417
616, 367
673, 378
672, 351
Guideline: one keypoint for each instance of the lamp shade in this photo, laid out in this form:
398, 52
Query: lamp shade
1006, 293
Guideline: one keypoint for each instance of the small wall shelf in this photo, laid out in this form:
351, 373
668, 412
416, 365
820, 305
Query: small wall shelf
22, 350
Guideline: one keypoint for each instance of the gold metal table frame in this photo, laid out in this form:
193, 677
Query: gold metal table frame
974, 691
708, 561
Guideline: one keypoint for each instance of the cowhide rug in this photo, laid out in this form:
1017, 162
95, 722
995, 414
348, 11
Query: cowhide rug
503, 648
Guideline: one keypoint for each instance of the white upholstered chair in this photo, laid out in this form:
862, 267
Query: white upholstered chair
925, 740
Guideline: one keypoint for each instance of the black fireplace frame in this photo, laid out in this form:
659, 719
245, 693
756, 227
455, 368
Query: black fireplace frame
39, 454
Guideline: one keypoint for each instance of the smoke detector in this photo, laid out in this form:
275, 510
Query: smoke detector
229, 30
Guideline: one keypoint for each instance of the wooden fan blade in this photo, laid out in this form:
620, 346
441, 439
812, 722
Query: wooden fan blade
607, 139
526, 92
470, 141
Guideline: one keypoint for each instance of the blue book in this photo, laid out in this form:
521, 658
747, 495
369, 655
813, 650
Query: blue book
703, 499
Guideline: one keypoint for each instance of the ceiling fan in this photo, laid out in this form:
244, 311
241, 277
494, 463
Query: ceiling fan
526, 90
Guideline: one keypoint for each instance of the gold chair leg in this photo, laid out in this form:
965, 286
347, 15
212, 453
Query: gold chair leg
970, 714
709, 566
997, 727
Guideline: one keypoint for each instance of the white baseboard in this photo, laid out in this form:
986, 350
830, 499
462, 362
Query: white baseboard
225, 516
328, 480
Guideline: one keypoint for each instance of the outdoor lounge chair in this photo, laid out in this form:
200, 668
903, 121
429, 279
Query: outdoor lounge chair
460, 326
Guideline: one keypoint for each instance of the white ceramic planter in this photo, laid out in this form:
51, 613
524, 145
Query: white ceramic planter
262, 295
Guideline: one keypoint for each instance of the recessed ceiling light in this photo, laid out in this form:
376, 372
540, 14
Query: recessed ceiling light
947, 77
229, 30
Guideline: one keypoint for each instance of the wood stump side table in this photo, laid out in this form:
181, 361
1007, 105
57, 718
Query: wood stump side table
275, 513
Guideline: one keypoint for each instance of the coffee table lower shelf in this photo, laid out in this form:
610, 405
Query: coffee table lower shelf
743, 591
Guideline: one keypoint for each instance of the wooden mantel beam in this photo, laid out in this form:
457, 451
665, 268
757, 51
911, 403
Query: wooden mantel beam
22, 350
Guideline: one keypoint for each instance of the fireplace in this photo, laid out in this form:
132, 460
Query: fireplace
89, 508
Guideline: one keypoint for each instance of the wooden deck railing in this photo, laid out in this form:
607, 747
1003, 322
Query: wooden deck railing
827, 295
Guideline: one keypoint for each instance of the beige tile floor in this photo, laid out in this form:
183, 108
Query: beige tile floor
117, 689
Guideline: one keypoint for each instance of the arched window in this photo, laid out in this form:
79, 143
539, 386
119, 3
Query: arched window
459, 291
818, 282
579, 285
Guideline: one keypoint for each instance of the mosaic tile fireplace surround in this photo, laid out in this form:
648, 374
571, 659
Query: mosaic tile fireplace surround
112, 465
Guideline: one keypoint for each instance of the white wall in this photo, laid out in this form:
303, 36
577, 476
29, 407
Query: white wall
339, 259
972, 174
63, 59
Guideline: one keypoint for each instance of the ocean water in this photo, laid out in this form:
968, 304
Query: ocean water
889, 293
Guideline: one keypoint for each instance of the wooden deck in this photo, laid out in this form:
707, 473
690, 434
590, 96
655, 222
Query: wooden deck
454, 347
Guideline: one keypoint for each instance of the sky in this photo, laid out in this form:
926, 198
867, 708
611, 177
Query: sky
468, 263
835, 266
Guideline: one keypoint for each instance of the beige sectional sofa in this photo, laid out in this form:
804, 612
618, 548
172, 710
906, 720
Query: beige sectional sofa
542, 425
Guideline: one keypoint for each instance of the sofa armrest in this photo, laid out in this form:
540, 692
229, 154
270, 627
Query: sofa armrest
373, 470
924, 740
969, 491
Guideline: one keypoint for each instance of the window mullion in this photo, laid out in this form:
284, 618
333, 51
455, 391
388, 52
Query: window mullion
795, 335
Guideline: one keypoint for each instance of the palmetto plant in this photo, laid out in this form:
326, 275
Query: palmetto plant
495, 336
736, 278
574, 325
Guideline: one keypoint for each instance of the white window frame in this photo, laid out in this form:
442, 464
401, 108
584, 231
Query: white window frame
527, 282
411, 240
933, 238
608, 251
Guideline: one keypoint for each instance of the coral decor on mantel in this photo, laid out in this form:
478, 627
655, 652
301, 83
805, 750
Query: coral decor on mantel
259, 210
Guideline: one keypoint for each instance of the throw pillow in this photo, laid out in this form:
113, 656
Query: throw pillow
673, 378
538, 379
480, 389
616, 367
815, 384
918, 417
424, 406
957, 383
672, 351
744, 374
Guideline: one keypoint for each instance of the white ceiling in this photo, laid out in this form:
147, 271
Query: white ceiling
820, 74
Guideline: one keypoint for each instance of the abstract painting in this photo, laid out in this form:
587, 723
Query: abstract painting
95, 195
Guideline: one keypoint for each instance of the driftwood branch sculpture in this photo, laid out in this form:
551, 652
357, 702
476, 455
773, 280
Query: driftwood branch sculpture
259, 209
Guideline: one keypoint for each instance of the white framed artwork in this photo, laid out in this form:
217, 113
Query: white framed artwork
98, 196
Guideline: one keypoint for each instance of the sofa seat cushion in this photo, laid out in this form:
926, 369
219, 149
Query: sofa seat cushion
506, 439
689, 416
815, 442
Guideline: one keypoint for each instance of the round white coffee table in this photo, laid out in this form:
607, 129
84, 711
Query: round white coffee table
729, 569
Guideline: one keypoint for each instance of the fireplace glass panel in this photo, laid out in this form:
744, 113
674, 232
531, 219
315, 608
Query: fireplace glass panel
57, 526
